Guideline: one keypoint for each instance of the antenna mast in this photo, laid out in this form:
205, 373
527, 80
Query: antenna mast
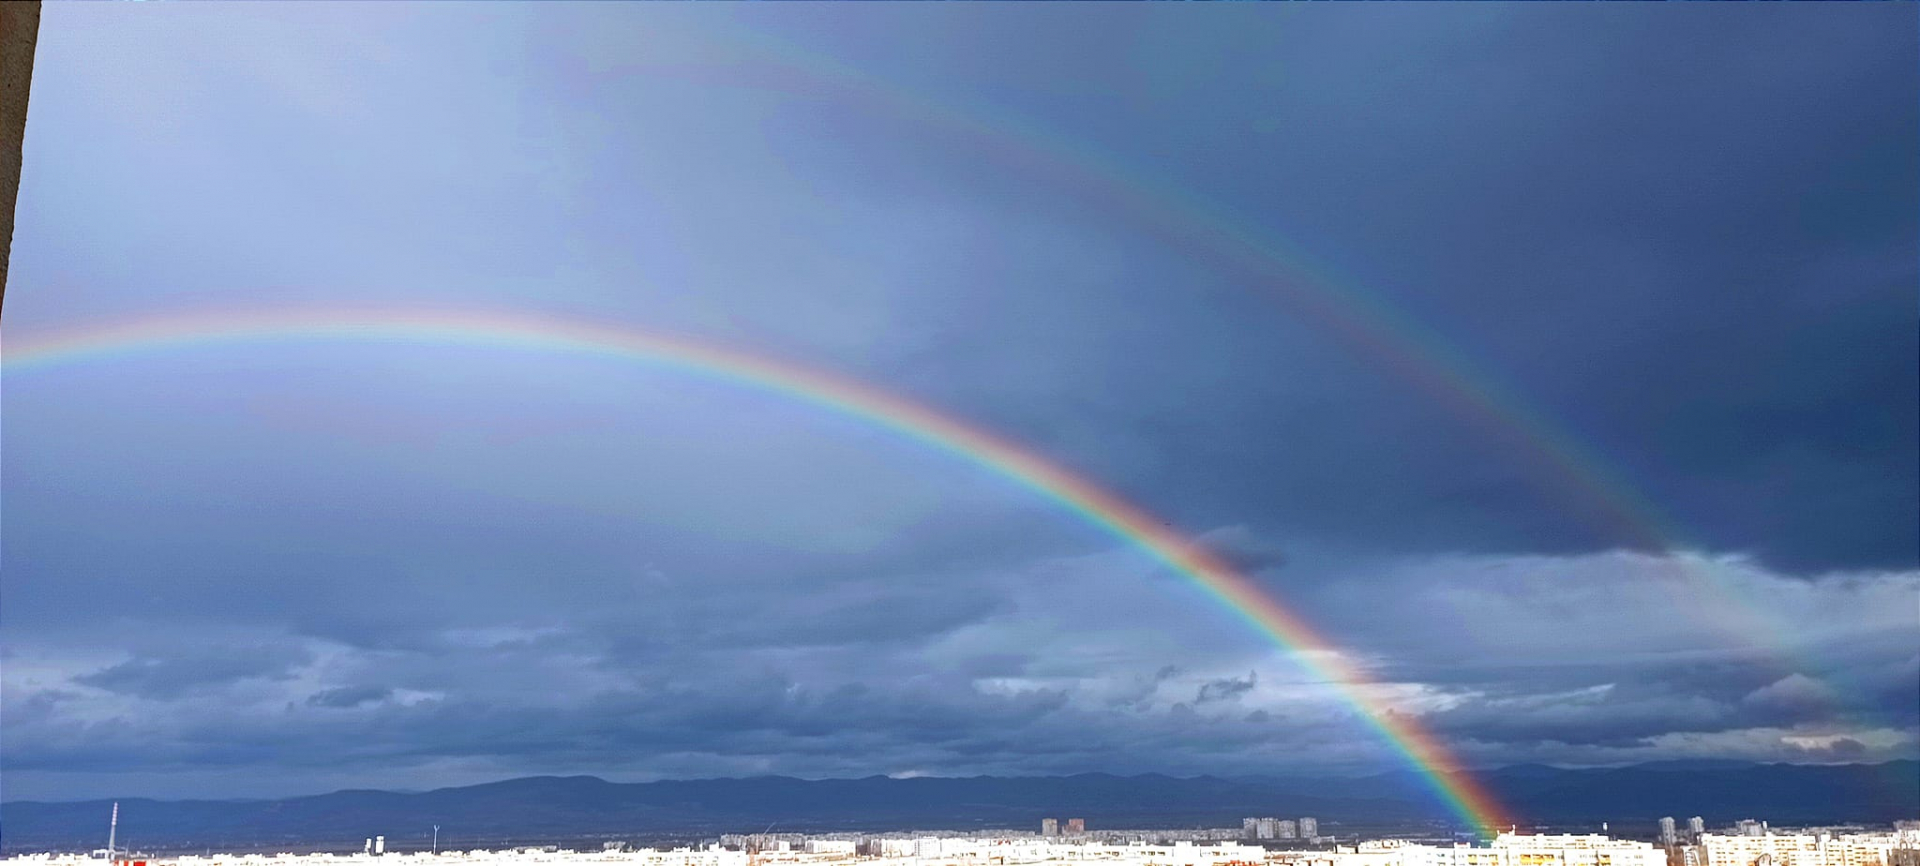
113, 829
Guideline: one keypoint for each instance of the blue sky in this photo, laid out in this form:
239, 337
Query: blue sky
1687, 237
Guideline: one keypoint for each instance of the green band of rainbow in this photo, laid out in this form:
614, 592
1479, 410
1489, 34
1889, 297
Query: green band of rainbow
1441, 771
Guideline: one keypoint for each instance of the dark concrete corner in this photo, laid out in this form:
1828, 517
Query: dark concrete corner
19, 28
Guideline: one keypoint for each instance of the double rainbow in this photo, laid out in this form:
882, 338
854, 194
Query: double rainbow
1271, 265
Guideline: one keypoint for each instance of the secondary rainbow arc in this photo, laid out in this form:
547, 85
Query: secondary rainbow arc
1440, 769
1283, 271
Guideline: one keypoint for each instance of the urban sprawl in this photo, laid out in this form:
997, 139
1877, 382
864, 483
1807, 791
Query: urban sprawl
1258, 842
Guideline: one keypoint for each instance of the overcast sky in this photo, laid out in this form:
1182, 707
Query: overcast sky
1619, 465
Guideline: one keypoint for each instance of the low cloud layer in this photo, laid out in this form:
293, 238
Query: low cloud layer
1039, 684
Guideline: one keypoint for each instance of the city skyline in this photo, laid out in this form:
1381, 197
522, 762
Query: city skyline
1848, 845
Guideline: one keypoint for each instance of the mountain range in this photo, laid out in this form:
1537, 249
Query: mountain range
582, 807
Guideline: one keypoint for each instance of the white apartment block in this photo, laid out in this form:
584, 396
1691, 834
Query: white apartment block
1852, 849
1510, 849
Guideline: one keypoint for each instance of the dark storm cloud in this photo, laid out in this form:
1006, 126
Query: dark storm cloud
1664, 260
1669, 253
939, 725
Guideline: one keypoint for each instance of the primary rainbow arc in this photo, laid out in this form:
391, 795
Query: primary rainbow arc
1439, 768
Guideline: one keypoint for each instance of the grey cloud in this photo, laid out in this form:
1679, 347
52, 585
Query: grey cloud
1842, 748
347, 697
1659, 703
1140, 692
1790, 693
995, 665
180, 676
1607, 716
1225, 689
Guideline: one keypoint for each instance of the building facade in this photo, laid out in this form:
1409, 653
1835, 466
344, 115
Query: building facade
1805, 849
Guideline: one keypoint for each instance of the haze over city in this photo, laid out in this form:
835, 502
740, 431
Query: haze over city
407, 396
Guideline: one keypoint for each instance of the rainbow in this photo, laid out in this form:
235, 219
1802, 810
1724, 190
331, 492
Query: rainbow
1214, 235
1083, 498
1276, 270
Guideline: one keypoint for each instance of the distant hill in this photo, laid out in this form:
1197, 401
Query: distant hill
1780, 793
1721, 791
550, 807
